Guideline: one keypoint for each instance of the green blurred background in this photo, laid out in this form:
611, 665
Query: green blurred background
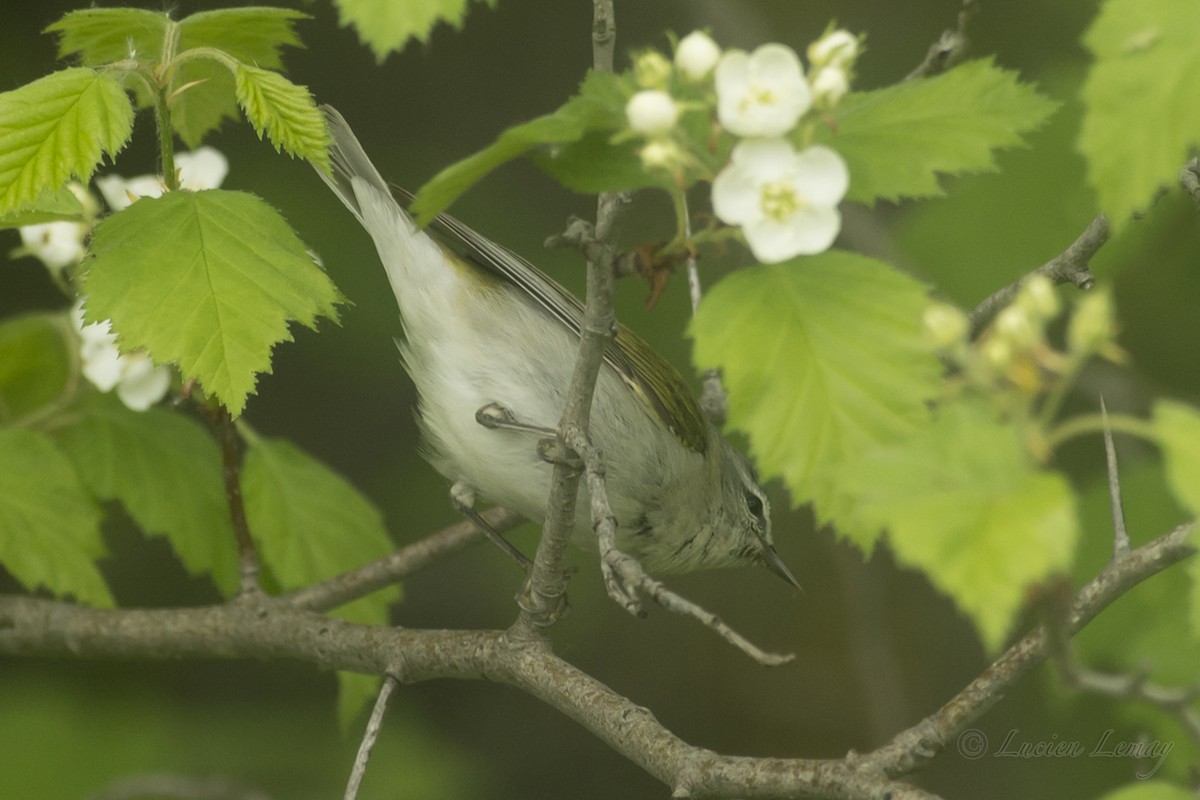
877, 648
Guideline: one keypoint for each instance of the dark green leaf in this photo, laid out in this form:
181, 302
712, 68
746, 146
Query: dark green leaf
49, 527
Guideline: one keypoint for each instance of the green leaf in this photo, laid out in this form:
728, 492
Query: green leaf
1177, 429
208, 280
52, 205
57, 127
254, 36
898, 139
37, 362
1149, 630
49, 527
598, 106
285, 112
104, 35
165, 469
1149, 790
962, 503
593, 165
1141, 117
823, 357
386, 26
310, 524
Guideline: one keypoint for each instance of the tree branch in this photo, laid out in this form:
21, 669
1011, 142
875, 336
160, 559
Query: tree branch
912, 749
544, 598
1070, 266
273, 628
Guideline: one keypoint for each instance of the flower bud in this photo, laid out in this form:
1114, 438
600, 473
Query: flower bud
1016, 326
835, 49
661, 154
998, 353
1038, 297
696, 56
651, 112
1092, 326
829, 85
945, 325
651, 70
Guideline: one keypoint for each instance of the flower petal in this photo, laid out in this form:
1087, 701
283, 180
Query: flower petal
144, 383
822, 175
203, 168
736, 195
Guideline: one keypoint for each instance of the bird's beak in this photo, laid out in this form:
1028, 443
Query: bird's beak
770, 557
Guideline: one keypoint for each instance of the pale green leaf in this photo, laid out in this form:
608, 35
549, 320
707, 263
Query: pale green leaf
285, 112
1177, 429
208, 280
1141, 119
1122, 640
596, 107
253, 36
49, 527
823, 358
52, 205
37, 362
165, 469
897, 140
56, 128
104, 35
962, 503
1149, 790
310, 524
386, 26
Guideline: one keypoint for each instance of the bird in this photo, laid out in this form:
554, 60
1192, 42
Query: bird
490, 343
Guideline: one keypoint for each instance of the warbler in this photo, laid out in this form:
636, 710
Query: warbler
490, 343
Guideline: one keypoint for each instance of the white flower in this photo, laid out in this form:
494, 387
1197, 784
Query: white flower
762, 94
60, 244
56, 244
651, 112
829, 85
835, 49
696, 55
785, 201
200, 169
138, 381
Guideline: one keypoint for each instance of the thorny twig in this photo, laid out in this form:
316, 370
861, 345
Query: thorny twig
1070, 266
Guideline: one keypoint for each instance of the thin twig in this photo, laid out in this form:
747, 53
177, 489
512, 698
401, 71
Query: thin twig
370, 735
1120, 533
1070, 266
913, 748
714, 401
626, 579
364, 580
949, 48
231, 469
544, 598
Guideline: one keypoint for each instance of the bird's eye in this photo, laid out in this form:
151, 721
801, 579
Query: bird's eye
755, 504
